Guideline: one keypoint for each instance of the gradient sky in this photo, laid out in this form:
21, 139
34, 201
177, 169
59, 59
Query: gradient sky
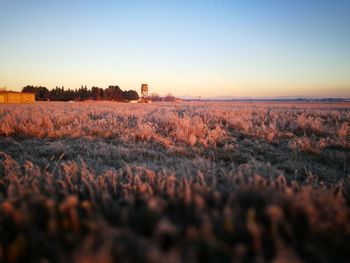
259, 48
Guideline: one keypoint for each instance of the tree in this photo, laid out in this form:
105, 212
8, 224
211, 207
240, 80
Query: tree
154, 97
114, 93
169, 97
41, 93
97, 93
130, 95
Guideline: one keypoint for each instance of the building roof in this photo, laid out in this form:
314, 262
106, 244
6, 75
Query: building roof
16, 92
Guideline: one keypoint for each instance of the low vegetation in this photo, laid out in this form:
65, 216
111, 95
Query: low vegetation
166, 182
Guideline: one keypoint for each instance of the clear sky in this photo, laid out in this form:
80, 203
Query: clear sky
258, 48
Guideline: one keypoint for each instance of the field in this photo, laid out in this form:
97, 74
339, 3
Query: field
165, 182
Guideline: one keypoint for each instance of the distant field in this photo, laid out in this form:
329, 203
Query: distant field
170, 182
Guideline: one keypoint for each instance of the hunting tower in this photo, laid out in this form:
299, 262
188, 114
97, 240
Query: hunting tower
144, 91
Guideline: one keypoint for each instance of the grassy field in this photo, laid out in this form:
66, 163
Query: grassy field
165, 182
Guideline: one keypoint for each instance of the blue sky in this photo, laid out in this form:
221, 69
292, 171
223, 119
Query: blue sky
198, 48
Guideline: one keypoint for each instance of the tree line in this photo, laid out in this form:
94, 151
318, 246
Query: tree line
83, 93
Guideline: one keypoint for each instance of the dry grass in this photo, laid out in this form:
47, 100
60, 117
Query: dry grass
105, 182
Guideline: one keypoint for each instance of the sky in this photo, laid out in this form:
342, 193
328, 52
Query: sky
239, 48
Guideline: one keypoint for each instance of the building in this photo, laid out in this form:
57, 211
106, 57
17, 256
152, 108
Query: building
16, 97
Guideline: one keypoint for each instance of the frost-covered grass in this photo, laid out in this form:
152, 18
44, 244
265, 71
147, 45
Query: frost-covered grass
105, 182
